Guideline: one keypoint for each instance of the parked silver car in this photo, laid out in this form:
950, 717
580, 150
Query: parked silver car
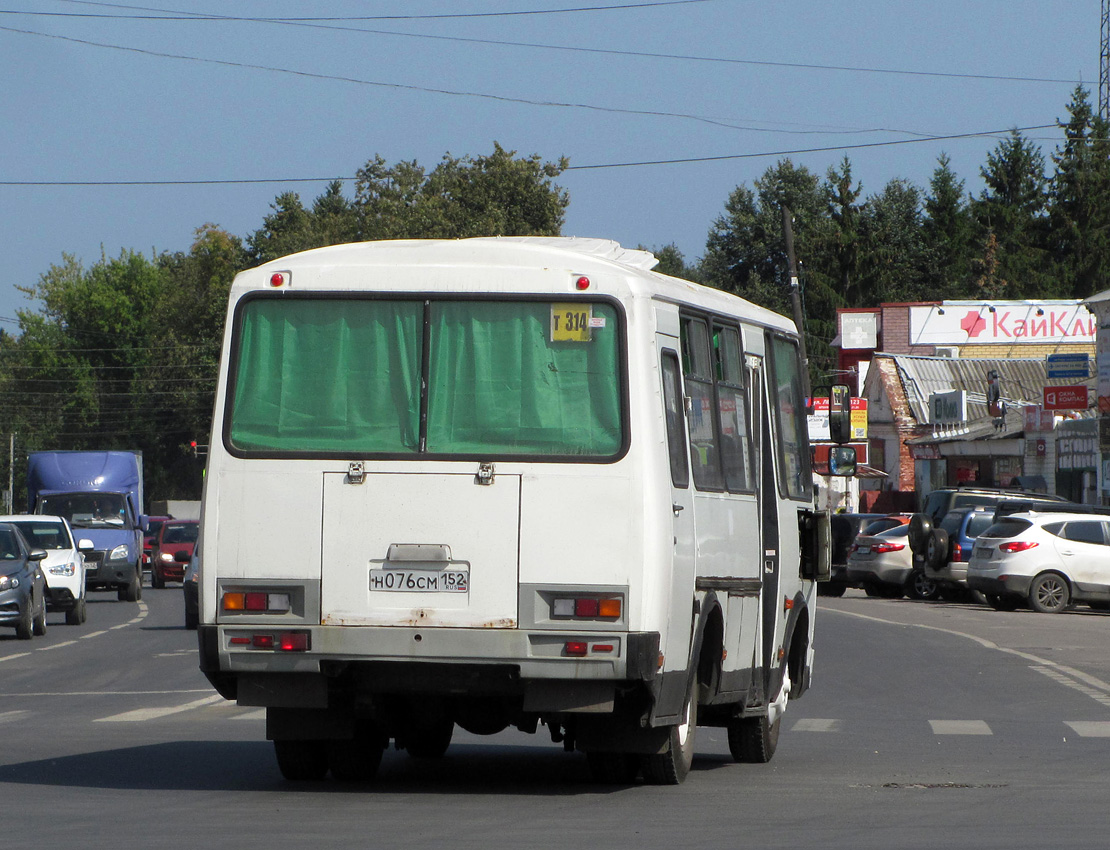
883, 565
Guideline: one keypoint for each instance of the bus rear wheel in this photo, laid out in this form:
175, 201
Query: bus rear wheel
671, 766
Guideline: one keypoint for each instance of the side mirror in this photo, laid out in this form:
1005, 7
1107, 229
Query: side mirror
36, 555
182, 557
842, 461
85, 545
840, 415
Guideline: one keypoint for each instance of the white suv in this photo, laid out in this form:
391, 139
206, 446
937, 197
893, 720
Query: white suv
1048, 559
64, 565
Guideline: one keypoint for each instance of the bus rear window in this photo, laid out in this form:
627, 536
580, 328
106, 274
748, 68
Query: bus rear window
346, 376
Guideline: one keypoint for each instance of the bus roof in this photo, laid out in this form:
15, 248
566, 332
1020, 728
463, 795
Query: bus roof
571, 254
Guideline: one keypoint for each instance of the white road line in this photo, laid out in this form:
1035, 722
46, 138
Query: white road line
105, 693
17, 655
1090, 728
140, 714
94, 634
960, 727
9, 716
259, 714
1056, 676
56, 646
815, 724
1093, 681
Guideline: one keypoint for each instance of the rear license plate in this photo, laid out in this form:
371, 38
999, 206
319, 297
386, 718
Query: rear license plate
983, 552
420, 581
864, 550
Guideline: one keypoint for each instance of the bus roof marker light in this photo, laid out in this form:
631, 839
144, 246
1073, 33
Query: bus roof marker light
278, 279
582, 283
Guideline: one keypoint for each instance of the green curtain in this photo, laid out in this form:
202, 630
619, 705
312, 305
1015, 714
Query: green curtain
328, 375
498, 384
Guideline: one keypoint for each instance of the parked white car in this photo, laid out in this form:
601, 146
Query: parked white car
64, 565
1050, 560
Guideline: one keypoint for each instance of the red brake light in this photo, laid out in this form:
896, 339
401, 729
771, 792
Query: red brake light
585, 607
1017, 545
882, 548
957, 552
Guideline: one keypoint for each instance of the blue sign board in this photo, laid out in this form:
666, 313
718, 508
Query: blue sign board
1068, 365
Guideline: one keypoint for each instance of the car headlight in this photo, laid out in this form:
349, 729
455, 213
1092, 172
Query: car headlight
8, 582
165, 556
63, 569
118, 554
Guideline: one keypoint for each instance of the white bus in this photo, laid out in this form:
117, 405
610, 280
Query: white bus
506, 482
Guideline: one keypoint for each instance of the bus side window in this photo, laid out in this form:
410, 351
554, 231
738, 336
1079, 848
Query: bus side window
698, 363
676, 429
732, 409
791, 444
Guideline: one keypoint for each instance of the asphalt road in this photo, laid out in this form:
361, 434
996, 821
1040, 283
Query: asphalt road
928, 725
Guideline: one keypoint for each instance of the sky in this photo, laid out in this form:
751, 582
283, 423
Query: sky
662, 108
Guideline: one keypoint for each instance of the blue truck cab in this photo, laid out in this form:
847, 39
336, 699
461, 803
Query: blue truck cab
101, 495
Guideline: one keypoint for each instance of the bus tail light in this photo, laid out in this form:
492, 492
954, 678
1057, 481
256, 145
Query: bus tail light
257, 602
587, 607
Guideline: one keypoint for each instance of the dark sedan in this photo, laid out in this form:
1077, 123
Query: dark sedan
22, 584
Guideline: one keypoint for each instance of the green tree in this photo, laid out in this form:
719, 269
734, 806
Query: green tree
1079, 207
845, 213
495, 195
947, 232
746, 254
1012, 208
893, 257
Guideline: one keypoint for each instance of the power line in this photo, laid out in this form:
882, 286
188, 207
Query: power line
308, 22
450, 16
679, 161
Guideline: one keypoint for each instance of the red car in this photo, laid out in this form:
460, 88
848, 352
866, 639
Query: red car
175, 535
148, 538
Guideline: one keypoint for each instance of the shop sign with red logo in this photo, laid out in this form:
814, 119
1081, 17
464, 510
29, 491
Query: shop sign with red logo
1065, 398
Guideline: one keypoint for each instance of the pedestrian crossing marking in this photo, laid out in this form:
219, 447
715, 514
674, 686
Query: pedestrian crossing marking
816, 724
1090, 728
960, 727
140, 714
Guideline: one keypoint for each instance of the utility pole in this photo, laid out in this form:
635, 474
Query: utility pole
1104, 62
796, 292
9, 497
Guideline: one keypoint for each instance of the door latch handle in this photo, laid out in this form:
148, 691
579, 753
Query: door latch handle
677, 508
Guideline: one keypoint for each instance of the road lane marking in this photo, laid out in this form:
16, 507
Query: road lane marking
17, 655
1067, 681
56, 646
960, 727
9, 716
1093, 681
141, 714
1090, 728
105, 693
94, 634
816, 724
258, 714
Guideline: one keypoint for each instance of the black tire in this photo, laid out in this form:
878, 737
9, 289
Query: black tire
921, 526
357, 759
919, 586
672, 766
302, 761
753, 739
1049, 594
431, 742
829, 588
134, 591
23, 626
614, 768
77, 615
1002, 603
38, 623
936, 548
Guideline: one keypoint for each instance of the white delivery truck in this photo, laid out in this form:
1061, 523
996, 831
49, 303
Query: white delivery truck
506, 482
